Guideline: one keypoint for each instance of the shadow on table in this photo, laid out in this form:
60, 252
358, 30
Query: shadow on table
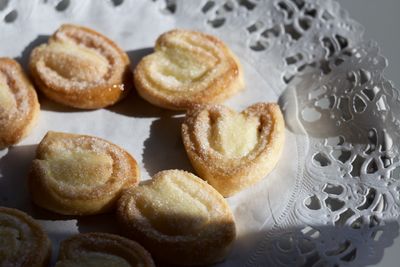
135, 106
319, 245
50, 105
24, 58
98, 223
14, 168
136, 55
164, 149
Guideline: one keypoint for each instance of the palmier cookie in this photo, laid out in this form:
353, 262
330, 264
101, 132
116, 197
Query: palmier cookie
188, 68
81, 68
233, 150
23, 243
179, 218
79, 174
19, 106
102, 250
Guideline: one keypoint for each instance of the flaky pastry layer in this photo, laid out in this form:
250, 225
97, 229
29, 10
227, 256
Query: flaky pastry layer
102, 250
23, 243
187, 68
19, 106
179, 218
81, 68
233, 150
79, 174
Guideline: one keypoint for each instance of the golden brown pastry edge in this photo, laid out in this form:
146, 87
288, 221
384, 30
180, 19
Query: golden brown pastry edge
46, 197
15, 135
221, 88
231, 179
40, 254
91, 98
105, 243
175, 249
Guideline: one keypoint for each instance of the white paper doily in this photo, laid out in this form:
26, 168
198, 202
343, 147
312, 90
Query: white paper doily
333, 199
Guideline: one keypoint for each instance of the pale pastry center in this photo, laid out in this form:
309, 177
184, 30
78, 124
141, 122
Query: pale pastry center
234, 135
9, 242
76, 62
180, 65
7, 100
81, 168
94, 259
170, 209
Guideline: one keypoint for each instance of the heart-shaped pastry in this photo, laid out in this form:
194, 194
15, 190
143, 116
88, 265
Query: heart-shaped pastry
81, 68
23, 242
102, 250
186, 68
233, 150
79, 174
179, 218
19, 106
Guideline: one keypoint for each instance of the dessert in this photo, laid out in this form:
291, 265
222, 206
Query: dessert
233, 150
179, 218
19, 106
79, 174
186, 68
81, 68
23, 243
102, 250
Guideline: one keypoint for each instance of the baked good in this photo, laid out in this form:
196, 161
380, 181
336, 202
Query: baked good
23, 243
179, 218
188, 67
233, 150
81, 68
80, 174
102, 250
19, 106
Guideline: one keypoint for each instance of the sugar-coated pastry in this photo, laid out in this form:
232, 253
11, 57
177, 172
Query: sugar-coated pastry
179, 218
79, 174
19, 106
102, 250
233, 150
81, 68
186, 68
23, 243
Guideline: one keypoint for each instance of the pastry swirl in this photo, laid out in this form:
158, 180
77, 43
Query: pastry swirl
81, 68
79, 174
102, 250
23, 243
188, 68
233, 150
179, 218
19, 106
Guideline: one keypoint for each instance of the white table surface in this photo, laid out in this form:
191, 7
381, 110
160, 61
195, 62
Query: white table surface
381, 19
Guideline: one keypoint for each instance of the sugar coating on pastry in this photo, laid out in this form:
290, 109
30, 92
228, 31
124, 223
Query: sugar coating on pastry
186, 68
79, 174
22, 241
102, 250
235, 135
81, 68
19, 106
233, 150
179, 218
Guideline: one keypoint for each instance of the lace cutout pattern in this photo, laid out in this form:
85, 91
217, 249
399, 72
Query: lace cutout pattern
331, 87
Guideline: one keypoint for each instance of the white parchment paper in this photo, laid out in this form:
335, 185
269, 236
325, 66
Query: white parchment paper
332, 200
150, 134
